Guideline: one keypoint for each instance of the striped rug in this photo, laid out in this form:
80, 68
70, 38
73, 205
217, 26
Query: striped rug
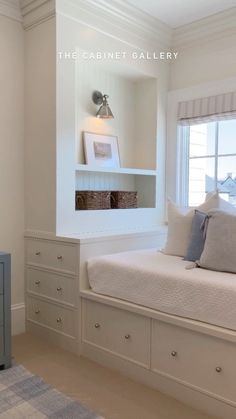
24, 395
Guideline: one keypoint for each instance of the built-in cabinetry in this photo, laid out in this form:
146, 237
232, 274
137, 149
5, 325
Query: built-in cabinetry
5, 310
52, 290
187, 359
133, 98
182, 351
56, 273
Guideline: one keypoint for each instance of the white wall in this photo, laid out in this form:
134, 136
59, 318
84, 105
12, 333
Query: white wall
40, 127
207, 51
204, 63
12, 152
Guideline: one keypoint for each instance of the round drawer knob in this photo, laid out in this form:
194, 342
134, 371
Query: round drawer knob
59, 257
37, 282
218, 369
173, 353
59, 320
37, 311
97, 325
37, 253
59, 289
127, 336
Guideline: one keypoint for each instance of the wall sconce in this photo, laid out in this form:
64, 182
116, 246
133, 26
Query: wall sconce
104, 111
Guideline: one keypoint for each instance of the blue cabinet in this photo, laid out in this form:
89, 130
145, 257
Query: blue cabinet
5, 310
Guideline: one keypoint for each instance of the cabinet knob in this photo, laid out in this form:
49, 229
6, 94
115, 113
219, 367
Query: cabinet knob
59, 289
37, 311
37, 253
173, 353
218, 369
127, 336
59, 257
97, 325
59, 320
37, 282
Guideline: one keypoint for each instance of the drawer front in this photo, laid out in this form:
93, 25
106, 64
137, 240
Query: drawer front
118, 331
52, 255
1, 310
51, 285
197, 359
1, 278
2, 348
50, 315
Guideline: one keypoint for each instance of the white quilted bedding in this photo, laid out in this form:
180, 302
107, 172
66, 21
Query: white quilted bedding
161, 282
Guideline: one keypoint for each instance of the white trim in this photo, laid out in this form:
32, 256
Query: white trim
11, 9
18, 318
35, 12
212, 28
121, 16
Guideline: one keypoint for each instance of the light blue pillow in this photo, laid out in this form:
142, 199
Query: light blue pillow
197, 238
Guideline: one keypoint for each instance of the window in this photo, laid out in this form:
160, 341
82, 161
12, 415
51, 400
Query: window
208, 161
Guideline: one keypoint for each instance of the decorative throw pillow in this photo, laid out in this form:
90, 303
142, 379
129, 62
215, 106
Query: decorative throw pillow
219, 252
197, 237
179, 224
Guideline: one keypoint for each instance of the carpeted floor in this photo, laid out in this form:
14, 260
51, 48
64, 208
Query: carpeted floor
24, 395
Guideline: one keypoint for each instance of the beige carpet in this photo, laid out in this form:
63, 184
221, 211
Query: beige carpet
107, 392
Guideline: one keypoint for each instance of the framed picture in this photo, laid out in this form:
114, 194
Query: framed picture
101, 150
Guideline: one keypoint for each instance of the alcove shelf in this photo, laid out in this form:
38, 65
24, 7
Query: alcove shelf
124, 179
121, 170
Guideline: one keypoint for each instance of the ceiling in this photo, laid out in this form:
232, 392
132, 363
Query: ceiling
176, 13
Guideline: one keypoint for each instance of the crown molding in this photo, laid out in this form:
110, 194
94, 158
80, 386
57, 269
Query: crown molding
103, 14
35, 12
11, 9
207, 30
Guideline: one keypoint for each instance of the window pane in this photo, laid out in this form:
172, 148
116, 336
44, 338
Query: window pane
227, 137
202, 139
201, 179
227, 178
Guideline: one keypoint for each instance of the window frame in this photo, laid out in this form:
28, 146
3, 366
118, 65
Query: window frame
183, 159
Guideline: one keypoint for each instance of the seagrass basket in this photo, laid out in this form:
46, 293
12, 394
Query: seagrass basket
124, 199
92, 200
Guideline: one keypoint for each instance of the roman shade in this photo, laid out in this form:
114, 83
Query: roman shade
207, 109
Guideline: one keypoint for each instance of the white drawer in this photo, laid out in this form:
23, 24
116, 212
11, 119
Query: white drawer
197, 359
53, 255
51, 285
120, 332
51, 315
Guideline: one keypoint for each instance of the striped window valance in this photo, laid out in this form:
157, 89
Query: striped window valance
207, 109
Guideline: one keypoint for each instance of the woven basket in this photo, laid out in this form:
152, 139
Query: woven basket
124, 199
92, 200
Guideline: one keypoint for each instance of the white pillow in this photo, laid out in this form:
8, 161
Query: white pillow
179, 223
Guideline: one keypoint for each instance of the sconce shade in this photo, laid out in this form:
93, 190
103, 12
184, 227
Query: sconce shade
104, 112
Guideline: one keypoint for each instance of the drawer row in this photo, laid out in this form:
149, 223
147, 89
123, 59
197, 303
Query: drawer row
190, 357
53, 316
51, 285
58, 256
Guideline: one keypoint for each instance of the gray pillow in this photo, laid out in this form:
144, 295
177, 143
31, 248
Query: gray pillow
219, 252
197, 237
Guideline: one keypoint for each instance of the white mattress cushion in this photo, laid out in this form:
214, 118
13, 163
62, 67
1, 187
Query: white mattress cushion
153, 279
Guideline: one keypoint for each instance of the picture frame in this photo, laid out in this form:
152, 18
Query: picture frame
101, 150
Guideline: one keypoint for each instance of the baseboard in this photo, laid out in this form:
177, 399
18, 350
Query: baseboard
17, 319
